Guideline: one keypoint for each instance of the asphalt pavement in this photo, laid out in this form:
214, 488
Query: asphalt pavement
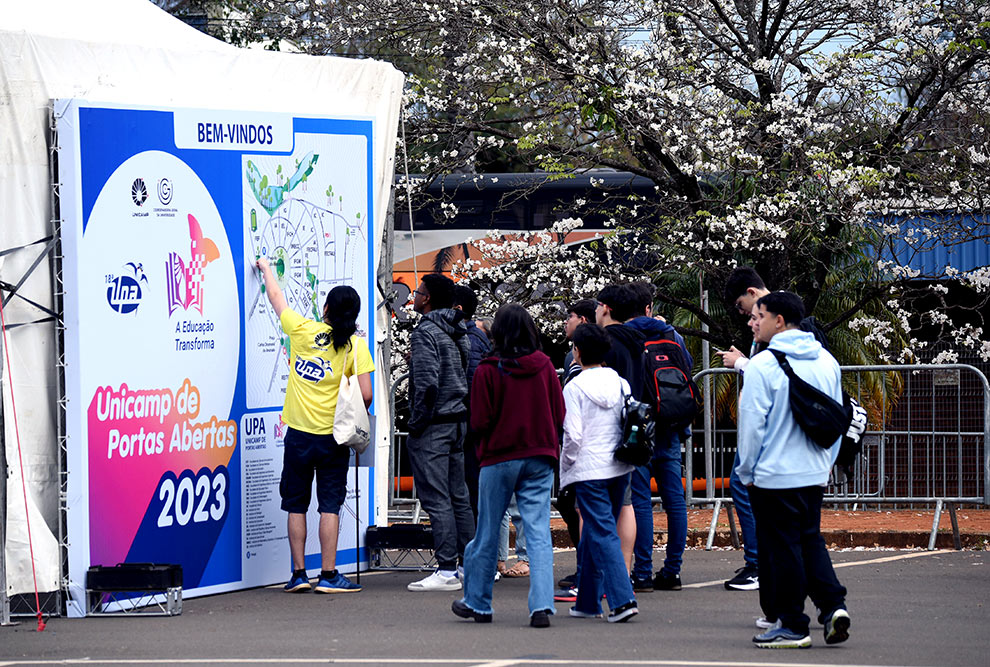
907, 608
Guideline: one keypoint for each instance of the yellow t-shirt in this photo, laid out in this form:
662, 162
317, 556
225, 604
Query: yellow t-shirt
314, 372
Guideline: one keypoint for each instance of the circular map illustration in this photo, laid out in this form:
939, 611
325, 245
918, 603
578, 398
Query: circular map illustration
315, 238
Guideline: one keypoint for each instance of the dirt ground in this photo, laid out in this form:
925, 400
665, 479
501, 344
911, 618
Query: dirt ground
898, 520
892, 528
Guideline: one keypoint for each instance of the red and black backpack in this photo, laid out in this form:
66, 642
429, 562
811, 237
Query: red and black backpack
669, 384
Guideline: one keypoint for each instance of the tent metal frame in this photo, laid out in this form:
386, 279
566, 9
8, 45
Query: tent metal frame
52, 603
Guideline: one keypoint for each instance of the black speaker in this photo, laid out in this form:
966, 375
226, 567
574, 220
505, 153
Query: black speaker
134, 577
399, 536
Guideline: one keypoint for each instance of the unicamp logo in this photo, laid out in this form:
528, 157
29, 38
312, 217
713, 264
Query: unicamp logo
322, 340
124, 292
139, 193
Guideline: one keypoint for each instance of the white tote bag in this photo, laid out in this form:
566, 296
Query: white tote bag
351, 426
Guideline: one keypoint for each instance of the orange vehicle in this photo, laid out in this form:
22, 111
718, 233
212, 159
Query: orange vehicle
507, 203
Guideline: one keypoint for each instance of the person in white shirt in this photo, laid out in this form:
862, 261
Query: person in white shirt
592, 429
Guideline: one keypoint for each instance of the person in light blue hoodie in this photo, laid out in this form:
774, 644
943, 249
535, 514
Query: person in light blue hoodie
786, 475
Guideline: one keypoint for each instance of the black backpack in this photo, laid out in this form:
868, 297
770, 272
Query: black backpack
669, 384
636, 442
823, 419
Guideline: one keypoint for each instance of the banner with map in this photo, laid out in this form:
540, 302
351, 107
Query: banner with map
176, 365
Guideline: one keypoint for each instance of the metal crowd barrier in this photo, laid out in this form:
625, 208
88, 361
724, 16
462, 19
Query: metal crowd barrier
403, 505
926, 443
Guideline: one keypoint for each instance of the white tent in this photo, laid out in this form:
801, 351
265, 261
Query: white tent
127, 52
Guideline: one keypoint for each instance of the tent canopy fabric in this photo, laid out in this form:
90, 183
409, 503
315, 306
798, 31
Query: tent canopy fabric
127, 52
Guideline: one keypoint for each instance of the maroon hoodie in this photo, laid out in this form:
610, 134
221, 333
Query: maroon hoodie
517, 408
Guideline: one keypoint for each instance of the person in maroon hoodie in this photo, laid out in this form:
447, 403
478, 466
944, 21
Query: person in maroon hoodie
517, 409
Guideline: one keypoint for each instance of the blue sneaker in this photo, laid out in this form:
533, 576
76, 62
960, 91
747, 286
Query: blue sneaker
338, 584
297, 584
779, 637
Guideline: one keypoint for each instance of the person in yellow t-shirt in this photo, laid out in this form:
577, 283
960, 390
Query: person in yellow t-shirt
319, 353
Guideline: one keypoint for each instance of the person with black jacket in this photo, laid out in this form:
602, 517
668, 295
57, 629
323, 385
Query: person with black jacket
625, 357
665, 467
466, 301
438, 392
743, 288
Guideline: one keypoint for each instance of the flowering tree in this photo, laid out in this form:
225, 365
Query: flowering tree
825, 143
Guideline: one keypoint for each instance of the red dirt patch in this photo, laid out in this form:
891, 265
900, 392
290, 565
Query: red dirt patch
899, 528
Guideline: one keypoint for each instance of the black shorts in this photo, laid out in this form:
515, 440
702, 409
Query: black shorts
304, 454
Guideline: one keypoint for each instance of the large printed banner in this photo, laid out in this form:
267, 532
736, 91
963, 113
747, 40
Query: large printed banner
176, 362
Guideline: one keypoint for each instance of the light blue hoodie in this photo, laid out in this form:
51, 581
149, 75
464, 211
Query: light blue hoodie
774, 453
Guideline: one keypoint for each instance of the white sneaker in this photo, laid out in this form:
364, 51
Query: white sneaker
763, 624
436, 582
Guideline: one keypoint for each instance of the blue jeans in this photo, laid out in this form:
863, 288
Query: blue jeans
744, 510
531, 479
667, 470
503, 537
601, 565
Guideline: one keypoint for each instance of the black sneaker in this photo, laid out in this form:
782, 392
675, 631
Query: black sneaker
623, 613
464, 611
644, 585
540, 619
570, 581
837, 627
566, 594
746, 579
666, 582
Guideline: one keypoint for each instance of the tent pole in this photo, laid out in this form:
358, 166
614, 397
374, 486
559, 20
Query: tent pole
4, 600
357, 515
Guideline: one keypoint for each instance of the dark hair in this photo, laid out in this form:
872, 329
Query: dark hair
592, 343
584, 308
340, 311
741, 279
786, 304
441, 289
619, 298
642, 296
514, 332
465, 297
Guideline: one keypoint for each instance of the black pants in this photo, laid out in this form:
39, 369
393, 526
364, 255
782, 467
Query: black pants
794, 562
472, 469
